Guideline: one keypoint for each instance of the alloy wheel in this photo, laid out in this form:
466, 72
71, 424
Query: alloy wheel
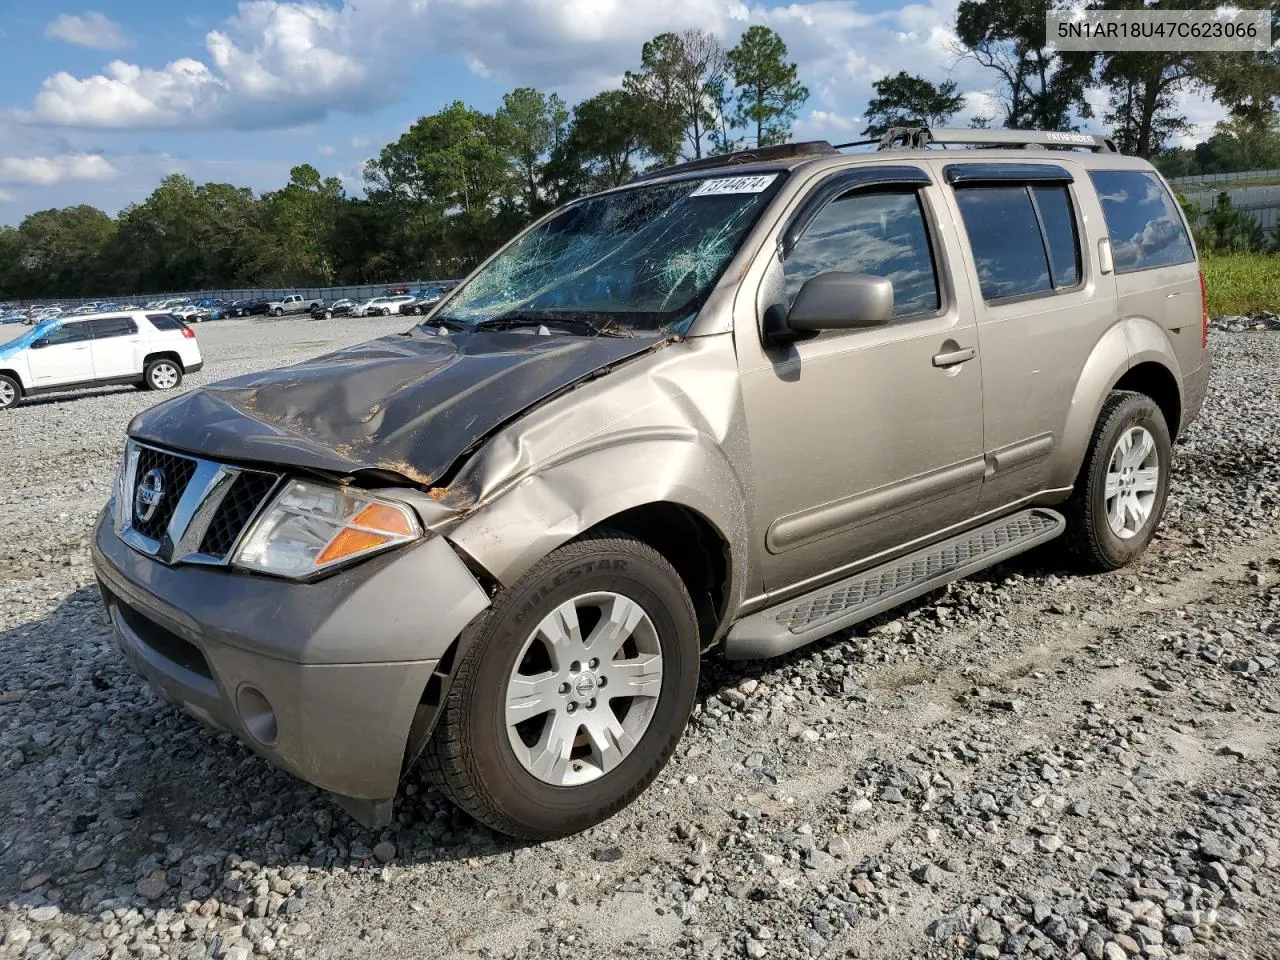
1133, 479
584, 689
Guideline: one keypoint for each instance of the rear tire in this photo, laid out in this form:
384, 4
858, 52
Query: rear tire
162, 374
572, 749
1120, 493
10, 392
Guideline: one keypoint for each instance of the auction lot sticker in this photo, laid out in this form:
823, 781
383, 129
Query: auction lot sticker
1225, 30
721, 185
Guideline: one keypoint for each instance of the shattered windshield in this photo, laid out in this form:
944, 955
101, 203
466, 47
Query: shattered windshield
642, 260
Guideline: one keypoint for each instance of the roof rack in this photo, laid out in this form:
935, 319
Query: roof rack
785, 151
918, 138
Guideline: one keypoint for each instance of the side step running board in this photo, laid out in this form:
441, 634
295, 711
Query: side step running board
828, 609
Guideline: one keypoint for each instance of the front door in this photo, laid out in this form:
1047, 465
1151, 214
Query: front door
61, 356
863, 441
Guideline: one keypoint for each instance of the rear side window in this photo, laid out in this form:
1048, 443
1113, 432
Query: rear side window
1023, 238
883, 234
1144, 223
112, 327
163, 321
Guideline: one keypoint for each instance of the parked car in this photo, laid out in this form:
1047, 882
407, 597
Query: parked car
327, 309
803, 388
382, 306
13, 317
397, 291
239, 308
292, 303
152, 350
423, 299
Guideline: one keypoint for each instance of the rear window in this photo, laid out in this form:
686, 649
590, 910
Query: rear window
164, 321
1023, 238
112, 327
1145, 224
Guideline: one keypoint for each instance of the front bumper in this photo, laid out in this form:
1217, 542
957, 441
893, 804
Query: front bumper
323, 679
1194, 387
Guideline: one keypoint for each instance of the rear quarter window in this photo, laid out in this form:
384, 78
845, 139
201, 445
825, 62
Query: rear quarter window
163, 321
1143, 221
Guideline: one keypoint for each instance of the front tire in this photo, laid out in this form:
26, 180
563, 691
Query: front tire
1120, 493
277, 312
10, 391
386, 311
572, 690
162, 374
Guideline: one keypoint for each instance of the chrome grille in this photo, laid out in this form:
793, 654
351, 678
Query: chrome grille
247, 493
173, 474
204, 510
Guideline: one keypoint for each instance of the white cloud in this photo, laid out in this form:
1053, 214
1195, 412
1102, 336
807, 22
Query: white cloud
285, 63
6, 196
92, 30
45, 171
328, 150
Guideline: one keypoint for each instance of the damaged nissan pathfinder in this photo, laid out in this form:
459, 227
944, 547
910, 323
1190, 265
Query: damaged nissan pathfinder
740, 403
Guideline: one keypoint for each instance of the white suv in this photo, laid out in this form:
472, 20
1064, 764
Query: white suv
152, 350
382, 306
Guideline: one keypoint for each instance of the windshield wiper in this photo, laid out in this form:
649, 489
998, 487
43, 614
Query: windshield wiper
530, 318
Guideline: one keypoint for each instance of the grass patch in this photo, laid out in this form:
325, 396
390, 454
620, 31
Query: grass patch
1242, 282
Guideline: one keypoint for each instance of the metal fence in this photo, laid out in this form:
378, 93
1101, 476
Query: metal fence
363, 291
1261, 202
1209, 179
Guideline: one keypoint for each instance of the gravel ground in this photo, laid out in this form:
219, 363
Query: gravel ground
1026, 764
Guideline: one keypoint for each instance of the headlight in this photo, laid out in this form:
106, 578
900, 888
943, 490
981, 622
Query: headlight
313, 526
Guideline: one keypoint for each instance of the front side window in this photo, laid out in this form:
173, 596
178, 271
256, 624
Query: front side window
882, 234
1144, 223
67, 333
642, 259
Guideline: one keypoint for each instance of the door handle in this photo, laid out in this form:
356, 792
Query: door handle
951, 357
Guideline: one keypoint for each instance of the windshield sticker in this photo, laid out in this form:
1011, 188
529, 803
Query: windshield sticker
723, 185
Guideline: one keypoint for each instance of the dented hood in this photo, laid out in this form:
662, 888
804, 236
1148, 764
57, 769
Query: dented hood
408, 405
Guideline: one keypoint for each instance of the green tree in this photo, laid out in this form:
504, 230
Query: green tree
679, 77
530, 124
59, 252
611, 133
1039, 87
1229, 230
769, 95
907, 100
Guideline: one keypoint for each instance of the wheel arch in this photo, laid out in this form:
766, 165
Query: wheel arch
675, 494
1134, 354
173, 355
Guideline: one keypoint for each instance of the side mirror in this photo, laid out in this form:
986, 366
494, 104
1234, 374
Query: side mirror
37, 344
841, 301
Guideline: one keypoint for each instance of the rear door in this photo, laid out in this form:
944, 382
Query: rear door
117, 347
1041, 307
62, 356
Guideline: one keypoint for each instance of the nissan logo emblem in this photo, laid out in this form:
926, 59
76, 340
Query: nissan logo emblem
150, 493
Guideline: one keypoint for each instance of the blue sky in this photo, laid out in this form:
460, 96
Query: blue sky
98, 102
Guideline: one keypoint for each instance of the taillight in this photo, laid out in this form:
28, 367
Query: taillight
1204, 313
188, 333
